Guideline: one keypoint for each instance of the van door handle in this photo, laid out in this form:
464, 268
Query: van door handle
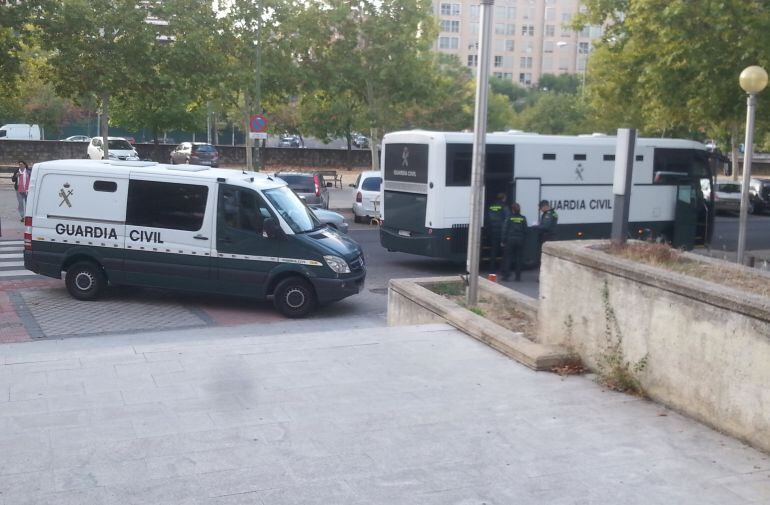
200, 237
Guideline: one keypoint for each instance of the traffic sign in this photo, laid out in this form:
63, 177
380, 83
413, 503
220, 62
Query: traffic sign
258, 123
258, 135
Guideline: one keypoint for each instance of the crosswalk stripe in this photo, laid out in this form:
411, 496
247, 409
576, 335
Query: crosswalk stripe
11, 242
10, 252
10, 256
4, 264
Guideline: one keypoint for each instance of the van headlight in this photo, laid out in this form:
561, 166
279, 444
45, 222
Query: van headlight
337, 264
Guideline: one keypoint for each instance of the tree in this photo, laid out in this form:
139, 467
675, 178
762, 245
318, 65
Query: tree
563, 83
377, 53
96, 48
14, 35
556, 114
669, 66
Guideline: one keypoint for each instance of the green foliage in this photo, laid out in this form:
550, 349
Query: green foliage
615, 371
557, 114
15, 34
447, 288
563, 83
672, 66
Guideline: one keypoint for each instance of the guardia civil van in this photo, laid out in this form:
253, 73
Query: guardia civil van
184, 227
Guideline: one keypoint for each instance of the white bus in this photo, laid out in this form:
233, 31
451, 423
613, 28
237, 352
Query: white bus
427, 177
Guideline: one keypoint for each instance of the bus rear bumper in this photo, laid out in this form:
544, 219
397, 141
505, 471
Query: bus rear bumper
436, 245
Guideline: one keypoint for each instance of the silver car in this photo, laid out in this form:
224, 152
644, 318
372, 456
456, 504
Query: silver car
332, 219
311, 187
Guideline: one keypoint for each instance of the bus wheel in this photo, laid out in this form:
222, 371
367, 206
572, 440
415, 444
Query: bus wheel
294, 297
85, 280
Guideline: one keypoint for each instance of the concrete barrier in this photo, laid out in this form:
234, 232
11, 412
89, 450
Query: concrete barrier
409, 303
34, 151
706, 346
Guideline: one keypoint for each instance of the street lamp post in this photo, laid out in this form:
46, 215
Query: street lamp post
479, 154
753, 79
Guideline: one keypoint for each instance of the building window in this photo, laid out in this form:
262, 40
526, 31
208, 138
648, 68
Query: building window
525, 62
498, 61
547, 64
505, 29
510, 13
507, 61
474, 11
509, 45
548, 46
473, 60
525, 78
583, 48
450, 9
528, 30
550, 30
447, 25
550, 14
566, 17
448, 42
475, 29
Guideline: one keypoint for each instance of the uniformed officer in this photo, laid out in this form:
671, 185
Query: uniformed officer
548, 220
514, 234
493, 222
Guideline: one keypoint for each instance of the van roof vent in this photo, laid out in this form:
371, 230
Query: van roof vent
187, 168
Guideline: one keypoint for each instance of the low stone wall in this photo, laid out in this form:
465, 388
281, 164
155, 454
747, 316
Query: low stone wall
34, 151
706, 346
410, 302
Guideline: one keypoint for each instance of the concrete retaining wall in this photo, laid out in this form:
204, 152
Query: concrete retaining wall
34, 151
409, 303
707, 345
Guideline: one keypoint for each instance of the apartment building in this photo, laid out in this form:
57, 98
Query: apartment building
529, 37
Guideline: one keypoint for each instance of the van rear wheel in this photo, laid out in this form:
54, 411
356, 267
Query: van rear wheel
85, 280
294, 297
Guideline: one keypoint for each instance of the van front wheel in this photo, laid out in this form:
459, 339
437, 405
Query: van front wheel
85, 280
294, 297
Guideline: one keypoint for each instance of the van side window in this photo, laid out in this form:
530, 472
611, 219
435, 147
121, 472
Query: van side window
106, 186
166, 205
240, 209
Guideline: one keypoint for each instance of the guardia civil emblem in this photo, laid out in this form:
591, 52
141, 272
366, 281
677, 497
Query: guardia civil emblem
65, 193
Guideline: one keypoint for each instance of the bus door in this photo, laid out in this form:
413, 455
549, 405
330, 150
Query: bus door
527, 195
685, 216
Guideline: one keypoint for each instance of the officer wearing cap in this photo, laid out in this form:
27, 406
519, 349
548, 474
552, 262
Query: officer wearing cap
546, 227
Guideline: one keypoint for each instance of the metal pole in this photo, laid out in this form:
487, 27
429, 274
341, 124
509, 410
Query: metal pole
479, 154
621, 188
258, 84
208, 122
751, 103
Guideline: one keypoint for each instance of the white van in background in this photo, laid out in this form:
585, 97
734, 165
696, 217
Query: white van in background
20, 132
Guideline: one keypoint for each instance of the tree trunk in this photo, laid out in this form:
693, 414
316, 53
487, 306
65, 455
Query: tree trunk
214, 128
374, 146
105, 133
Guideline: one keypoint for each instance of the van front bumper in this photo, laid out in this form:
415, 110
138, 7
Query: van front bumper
332, 290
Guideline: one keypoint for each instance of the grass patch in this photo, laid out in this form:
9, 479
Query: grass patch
664, 256
497, 311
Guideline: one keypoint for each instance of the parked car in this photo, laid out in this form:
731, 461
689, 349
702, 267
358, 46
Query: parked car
759, 190
195, 153
77, 138
727, 196
361, 141
311, 187
118, 149
332, 219
367, 200
289, 141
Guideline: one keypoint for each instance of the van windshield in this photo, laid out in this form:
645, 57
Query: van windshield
298, 216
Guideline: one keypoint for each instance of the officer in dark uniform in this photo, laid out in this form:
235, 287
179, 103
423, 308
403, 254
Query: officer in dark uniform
546, 228
514, 234
495, 216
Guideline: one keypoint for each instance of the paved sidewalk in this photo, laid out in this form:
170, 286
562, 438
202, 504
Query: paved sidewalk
409, 415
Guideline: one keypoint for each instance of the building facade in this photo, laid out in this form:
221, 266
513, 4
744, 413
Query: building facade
529, 37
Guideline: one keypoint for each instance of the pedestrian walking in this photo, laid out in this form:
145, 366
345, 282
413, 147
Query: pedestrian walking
495, 217
514, 235
21, 184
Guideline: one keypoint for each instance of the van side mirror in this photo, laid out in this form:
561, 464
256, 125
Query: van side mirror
271, 228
